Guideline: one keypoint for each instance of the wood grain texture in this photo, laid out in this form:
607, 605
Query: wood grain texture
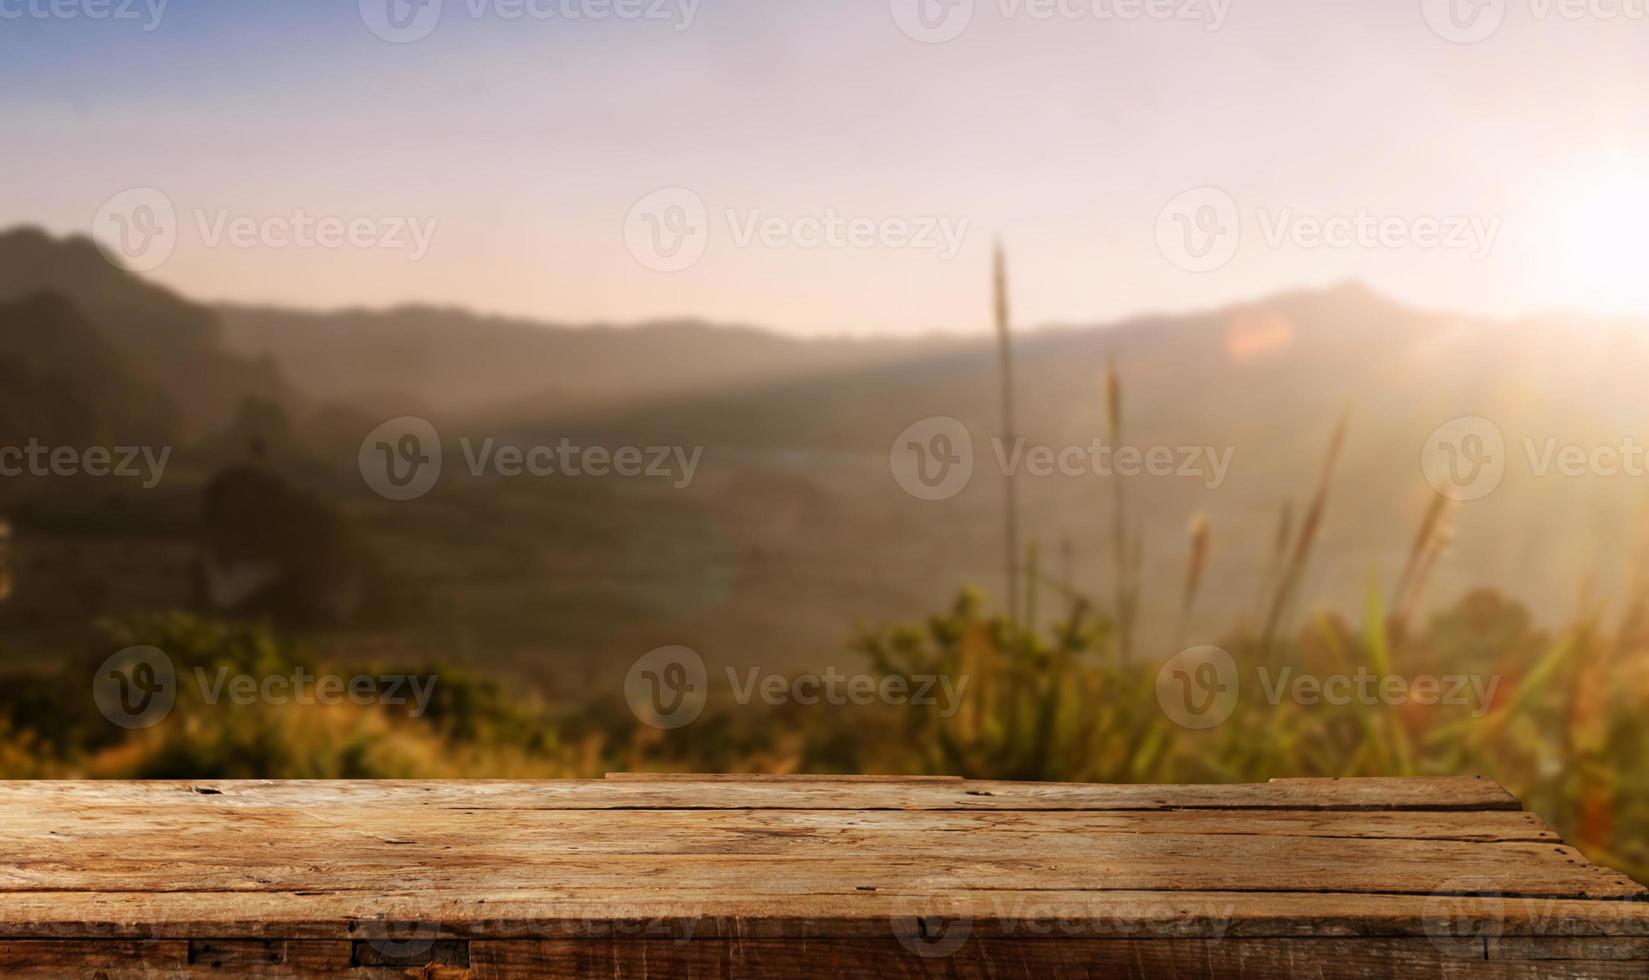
690, 793
801, 876
1136, 959
806, 959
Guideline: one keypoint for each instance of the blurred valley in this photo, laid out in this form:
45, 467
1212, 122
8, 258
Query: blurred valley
793, 529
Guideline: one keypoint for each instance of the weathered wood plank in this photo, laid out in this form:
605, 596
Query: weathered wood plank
798, 876
36, 959
47, 960
755, 913
145, 827
1117, 862
792, 794
1563, 948
1147, 959
808, 958
724, 777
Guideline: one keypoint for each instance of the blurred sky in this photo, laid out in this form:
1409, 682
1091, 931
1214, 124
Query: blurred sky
530, 140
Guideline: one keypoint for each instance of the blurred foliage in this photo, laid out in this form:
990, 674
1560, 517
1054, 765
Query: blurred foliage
50, 726
275, 549
1565, 729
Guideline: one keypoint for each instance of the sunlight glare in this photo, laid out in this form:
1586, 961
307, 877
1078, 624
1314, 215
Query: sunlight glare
1595, 255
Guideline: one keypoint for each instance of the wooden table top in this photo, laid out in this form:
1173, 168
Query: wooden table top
764, 876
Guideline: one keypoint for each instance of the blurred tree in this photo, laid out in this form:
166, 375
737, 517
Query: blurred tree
6, 581
260, 431
269, 548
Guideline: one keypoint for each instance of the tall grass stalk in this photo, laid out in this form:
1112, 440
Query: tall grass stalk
1196, 566
1004, 335
1279, 555
1293, 573
1127, 550
1436, 529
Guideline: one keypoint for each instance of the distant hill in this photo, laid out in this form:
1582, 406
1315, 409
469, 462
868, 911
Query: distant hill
453, 362
1266, 382
63, 383
795, 526
170, 340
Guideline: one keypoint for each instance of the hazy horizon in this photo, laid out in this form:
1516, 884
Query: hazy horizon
1068, 136
962, 332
